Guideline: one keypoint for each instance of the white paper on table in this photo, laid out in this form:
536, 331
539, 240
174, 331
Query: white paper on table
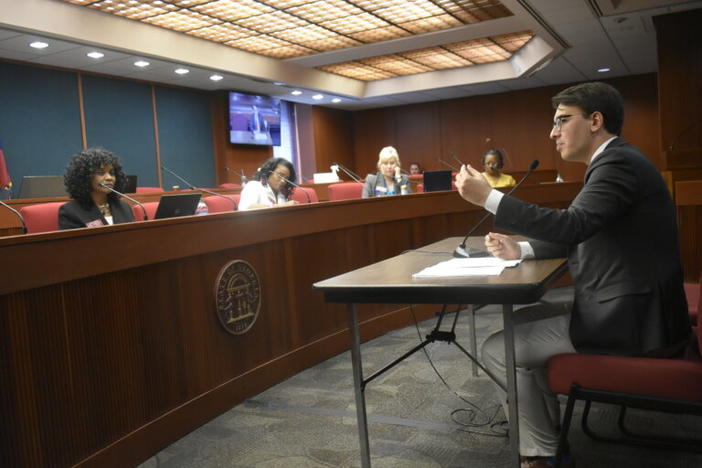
481, 266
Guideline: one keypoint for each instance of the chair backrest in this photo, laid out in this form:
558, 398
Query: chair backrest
345, 191
148, 189
222, 204
42, 217
229, 185
299, 195
150, 211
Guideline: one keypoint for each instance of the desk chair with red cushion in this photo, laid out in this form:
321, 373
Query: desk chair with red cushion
299, 195
667, 385
148, 189
42, 217
345, 191
229, 185
223, 204
150, 211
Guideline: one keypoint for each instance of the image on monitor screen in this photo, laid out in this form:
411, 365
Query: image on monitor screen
253, 119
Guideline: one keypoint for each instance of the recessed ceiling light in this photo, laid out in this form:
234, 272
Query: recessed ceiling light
182, 71
95, 54
216, 77
278, 83
336, 99
39, 45
141, 63
317, 97
603, 70
296, 92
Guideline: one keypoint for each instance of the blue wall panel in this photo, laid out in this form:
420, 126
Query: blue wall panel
39, 120
119, 117
185, 136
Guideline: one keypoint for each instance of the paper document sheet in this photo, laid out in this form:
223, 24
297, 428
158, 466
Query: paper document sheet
483, 266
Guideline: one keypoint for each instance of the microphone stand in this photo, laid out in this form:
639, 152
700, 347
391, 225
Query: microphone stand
24, 226
192, 187
349, 172
309, 200
447, 165
460, 251
127, 197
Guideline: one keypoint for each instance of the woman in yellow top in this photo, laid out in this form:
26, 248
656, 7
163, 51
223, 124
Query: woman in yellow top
493, 162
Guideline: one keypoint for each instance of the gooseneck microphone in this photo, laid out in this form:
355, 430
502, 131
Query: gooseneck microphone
192, 187
461, 250
125, 196
309, 200
447, 165
24, 226
348, 172
241, 176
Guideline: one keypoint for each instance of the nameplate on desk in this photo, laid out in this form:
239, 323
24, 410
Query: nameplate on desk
325, 177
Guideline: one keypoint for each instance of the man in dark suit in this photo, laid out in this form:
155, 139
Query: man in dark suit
621, 240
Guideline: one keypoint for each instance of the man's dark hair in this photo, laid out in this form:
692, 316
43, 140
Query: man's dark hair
269, 167
79, 174
595, 97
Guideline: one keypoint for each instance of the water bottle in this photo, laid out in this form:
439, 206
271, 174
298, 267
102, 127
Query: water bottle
559, 178
201, 208
403, 190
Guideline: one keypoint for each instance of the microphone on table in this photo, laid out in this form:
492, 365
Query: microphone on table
125, 196
241, 176
309, 200
461, 250
347, 171
192, 187
24, 226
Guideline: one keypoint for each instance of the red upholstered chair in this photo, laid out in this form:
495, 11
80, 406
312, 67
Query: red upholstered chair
229, 185
345, 191
299, 195
223, 204
667, 385
150, 211
148, 189
42, 217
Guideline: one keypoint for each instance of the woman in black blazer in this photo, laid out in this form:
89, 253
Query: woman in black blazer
94, 205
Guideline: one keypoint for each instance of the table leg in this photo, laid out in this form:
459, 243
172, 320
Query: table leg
473, 338
511, 383
358, 389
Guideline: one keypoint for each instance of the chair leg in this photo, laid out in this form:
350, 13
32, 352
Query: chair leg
563, 437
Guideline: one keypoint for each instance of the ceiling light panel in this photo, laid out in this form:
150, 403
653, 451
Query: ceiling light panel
285, 29
231, 10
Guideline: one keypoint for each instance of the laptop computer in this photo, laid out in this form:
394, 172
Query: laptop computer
435, 181
180, 204
131, 185
42, 187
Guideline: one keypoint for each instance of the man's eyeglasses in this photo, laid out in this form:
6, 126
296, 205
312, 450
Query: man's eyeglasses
558, 123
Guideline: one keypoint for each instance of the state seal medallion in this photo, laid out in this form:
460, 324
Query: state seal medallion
237, 296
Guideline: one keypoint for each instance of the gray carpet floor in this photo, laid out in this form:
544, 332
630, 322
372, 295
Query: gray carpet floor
428, 412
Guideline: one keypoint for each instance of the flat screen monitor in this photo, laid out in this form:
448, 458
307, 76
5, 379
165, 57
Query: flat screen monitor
436, 181
254, 119
180, 204
42, 187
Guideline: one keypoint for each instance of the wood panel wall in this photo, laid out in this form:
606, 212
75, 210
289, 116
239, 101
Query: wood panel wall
107, 358
518, 121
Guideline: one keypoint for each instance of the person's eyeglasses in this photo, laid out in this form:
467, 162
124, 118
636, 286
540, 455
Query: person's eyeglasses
558, 123
280, 176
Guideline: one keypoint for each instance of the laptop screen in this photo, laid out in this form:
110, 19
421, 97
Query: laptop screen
435, 181
42, 187
180, 204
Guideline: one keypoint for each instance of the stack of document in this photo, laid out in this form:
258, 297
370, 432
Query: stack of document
483, 266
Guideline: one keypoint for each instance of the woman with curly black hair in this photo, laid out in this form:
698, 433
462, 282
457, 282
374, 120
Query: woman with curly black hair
270, 186
493, 162
92, 204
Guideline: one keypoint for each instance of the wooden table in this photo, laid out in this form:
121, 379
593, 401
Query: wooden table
390, 282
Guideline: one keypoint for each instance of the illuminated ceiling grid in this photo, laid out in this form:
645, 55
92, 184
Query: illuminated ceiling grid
284, 29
